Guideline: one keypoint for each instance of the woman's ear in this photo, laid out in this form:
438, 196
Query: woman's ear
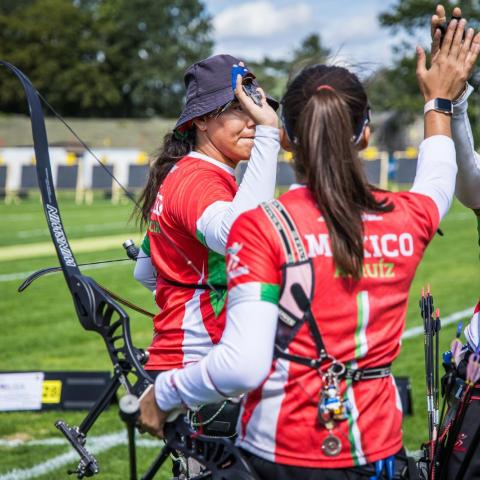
365, 138
200, 123
284, 140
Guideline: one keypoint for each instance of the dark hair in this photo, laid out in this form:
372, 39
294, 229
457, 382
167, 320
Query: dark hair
175, 146
325, 110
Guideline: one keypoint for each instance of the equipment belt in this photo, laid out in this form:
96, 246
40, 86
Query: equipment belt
195, 286
349, 373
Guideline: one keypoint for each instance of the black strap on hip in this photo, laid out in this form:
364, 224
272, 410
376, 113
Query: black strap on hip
349, 373
195, 286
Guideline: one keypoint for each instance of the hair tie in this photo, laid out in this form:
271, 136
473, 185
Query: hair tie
325, 87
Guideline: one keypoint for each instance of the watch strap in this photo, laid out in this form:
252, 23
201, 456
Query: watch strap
442, 105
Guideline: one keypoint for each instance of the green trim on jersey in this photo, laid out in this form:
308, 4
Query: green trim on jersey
354, 437
363, 307
201, 238
146, 245
270, 292
216, 275
351, 436
253, 292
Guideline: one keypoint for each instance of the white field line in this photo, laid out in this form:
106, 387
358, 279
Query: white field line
94, 444
90, 227
449, 319
91, 244
8, 277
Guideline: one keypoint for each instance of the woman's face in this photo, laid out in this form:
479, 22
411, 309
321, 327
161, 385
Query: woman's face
227, 137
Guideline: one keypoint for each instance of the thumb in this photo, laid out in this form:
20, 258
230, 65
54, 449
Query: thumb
421, 62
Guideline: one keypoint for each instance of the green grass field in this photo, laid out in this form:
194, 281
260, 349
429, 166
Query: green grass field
40, 330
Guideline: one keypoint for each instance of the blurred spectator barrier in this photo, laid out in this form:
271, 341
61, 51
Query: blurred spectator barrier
57, 390
82, 174
3, 180
375, 164
404, 166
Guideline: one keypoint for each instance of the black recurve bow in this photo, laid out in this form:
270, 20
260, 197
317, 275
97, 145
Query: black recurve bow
97, 311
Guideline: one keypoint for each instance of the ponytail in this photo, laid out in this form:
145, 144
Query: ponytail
175, 146
323, 109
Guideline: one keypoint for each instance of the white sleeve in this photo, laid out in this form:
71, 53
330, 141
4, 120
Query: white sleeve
239, 363
436, 171
145, 272
257, 186
468, 178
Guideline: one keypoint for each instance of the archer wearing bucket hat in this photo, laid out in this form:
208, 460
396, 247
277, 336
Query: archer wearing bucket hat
209, 87
191, 200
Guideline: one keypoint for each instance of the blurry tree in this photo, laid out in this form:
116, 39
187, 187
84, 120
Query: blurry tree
395, 89
310, 51
147, 46
273, 74
55, 43
102, 57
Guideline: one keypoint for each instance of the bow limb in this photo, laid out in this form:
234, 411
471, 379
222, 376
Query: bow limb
95, 309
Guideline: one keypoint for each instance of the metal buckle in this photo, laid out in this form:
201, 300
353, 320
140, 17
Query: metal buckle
357, 375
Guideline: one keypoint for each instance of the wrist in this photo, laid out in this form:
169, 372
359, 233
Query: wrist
461, 100
460, 93
432, 96
273, 123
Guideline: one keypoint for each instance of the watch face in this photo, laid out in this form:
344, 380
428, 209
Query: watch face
443, 105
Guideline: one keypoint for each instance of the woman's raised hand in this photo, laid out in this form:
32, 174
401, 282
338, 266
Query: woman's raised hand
264, 115
439, 18
452, 65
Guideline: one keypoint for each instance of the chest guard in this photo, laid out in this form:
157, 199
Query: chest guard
297, 269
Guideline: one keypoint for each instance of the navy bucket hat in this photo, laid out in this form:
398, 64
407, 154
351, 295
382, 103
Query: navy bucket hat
208, 85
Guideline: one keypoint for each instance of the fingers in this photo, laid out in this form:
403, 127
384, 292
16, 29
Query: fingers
447, 41
421, 68
457, 12
434, 24
458, 38
239, 93
155, 432
440, 12
262, 93
151, 418
465, 48
472, 55
436, 42
437, 19
421, 62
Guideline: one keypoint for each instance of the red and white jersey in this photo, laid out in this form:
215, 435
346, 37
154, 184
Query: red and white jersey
191, 320
361, 325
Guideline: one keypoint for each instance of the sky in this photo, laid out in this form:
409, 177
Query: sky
350, 29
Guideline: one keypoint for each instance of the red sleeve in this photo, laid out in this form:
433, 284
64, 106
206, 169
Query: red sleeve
191, 195
253, 251
423, 213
